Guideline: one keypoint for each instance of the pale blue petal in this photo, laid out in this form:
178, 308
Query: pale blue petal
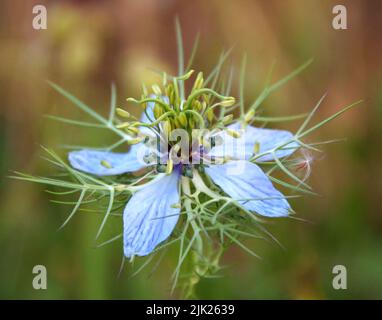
244, 147
91, 161
243, 181
149, 217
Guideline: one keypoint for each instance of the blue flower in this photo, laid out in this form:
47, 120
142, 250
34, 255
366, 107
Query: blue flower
152, 212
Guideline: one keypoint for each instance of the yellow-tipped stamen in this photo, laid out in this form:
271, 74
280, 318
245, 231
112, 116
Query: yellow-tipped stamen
135, 141
144, 90
158, 111
122, 113
227, 119
186, 76
204, 106
197, 105
106, 164
191, 122
228, 102
256, 147
133, 130
210, 115
199, 81
177, 123
233, 133
249, 116
167, 127
123, 125
164, 79
182, 119
156, 90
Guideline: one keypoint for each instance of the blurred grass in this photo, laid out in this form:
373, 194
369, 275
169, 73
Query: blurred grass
89, 44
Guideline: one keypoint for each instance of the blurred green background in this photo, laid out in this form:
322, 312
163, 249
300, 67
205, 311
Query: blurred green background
89, 44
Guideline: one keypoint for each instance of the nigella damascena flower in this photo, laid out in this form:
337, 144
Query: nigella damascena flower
222, 153
198, 169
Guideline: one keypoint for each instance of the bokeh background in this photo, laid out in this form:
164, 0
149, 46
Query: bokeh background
90, 44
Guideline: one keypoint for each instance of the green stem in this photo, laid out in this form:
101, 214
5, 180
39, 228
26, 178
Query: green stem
190, 287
